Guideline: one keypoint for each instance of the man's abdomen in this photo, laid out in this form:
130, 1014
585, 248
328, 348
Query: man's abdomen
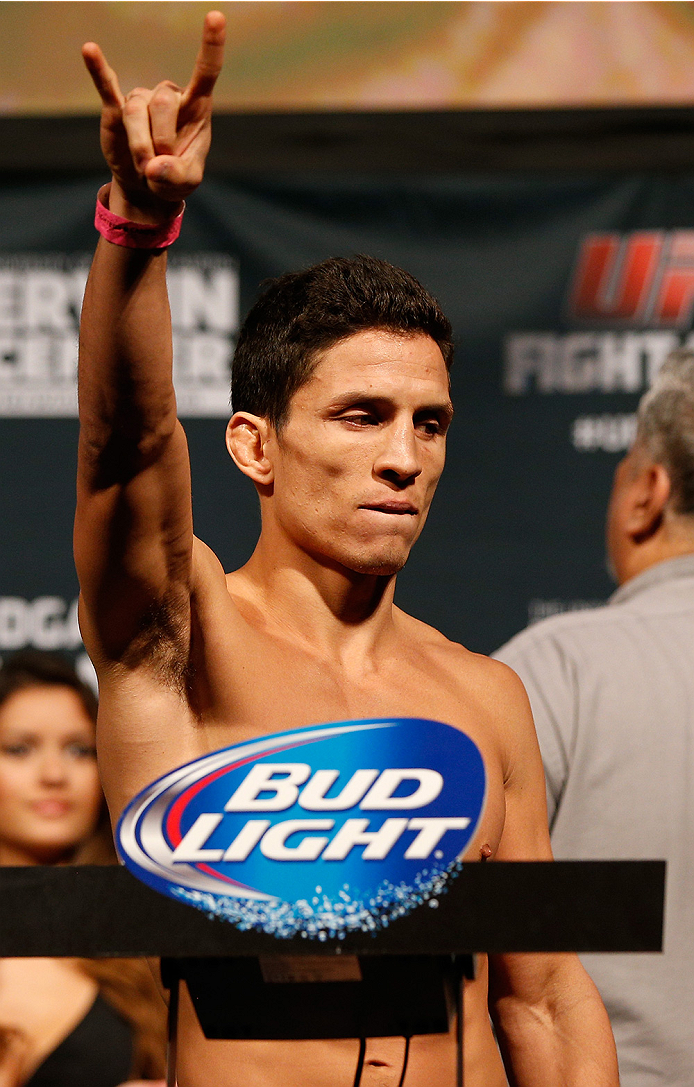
333, 1063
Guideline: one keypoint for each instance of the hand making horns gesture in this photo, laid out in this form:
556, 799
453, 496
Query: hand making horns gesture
155, 141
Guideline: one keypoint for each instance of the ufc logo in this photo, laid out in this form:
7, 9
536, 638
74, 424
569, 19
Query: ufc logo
645, 279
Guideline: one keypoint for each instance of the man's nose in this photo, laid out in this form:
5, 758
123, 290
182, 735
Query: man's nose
399, 459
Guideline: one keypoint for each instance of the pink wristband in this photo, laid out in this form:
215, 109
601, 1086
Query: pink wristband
120, 231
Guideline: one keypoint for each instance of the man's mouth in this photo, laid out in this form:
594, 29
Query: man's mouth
391, 506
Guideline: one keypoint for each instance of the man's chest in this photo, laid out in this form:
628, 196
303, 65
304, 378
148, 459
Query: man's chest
275, 691
246, 689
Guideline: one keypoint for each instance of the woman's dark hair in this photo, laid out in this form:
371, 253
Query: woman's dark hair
303, 313
32, 668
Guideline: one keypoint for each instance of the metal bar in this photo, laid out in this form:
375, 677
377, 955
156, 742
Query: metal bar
497, 907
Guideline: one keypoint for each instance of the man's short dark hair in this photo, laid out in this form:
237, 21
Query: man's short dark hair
303, 313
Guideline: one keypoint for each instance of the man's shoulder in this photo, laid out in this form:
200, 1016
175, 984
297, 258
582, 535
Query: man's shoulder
432, 641
464, 666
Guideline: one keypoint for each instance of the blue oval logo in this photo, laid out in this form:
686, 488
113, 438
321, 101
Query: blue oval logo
321, 830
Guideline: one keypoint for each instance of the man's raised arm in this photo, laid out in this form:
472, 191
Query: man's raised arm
133, 528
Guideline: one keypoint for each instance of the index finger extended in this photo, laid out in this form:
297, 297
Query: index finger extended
208, 64
104, 78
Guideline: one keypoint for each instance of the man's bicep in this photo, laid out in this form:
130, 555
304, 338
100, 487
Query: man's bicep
133, 546
525, 835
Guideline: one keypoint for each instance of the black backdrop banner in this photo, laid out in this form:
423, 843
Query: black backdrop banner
565, 292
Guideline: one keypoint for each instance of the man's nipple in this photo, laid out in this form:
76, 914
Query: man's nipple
485, 852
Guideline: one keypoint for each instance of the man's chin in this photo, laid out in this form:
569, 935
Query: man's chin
377, 565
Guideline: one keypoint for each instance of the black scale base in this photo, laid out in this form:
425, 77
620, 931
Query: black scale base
289, 997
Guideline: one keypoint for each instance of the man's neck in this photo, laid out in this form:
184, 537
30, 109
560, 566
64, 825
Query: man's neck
670, 542
330, 609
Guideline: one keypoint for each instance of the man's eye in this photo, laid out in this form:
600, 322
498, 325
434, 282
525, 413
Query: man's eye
361, 418
431, 427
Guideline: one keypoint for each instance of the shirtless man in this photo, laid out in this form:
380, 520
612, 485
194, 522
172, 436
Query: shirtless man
345, 443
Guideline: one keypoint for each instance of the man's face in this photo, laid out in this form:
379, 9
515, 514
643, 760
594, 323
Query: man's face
357, 462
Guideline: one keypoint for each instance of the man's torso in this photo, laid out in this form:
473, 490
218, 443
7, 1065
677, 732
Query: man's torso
249, 676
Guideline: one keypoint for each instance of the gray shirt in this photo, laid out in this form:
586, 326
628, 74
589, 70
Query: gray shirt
612, 692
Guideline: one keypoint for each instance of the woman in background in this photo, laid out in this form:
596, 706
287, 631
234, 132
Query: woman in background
64, 1022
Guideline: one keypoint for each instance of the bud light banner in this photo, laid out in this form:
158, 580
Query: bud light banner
322, 831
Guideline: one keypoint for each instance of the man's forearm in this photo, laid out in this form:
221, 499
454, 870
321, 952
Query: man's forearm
125, 381
561, 1039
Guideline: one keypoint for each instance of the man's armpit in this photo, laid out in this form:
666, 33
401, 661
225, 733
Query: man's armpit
162, 642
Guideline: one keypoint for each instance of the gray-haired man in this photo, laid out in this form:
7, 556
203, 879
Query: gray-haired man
612, 692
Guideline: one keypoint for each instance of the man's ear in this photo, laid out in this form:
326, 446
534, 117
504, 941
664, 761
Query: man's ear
650, 492
247, 440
